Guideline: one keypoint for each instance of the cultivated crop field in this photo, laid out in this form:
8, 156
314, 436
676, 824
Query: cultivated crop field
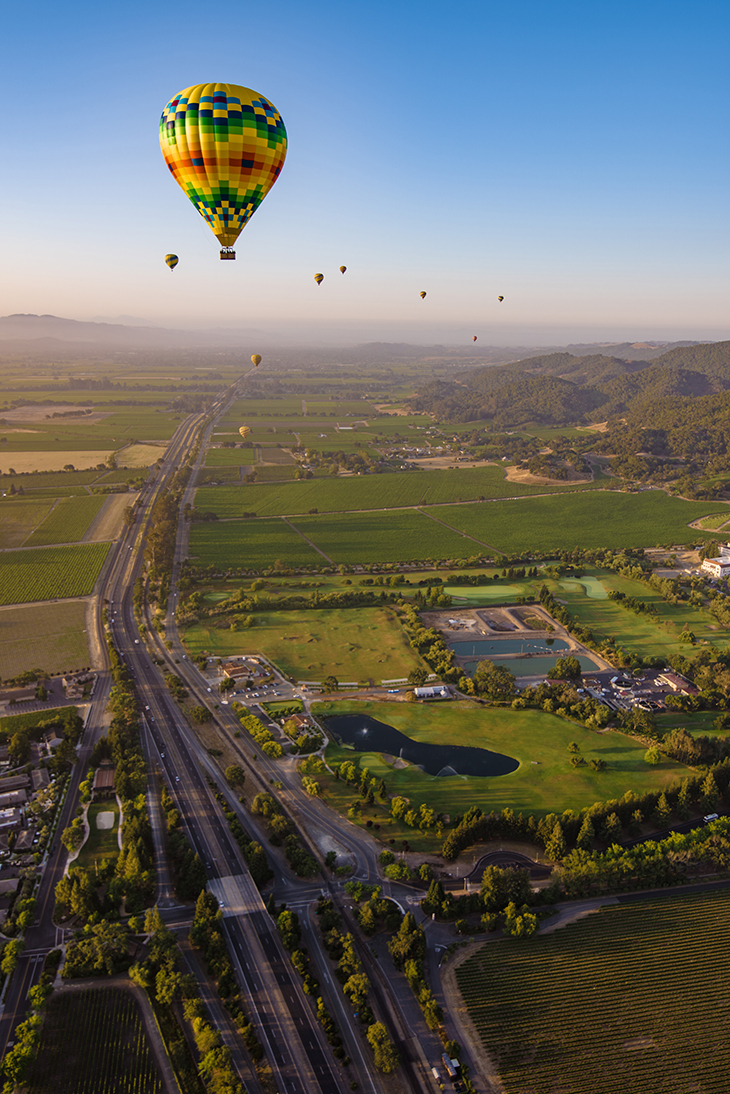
18, 518
589, 518
401, 536
94, 1040
47, 573
544, 782
251, 544
68, 521
632, 998
364, 644
43, 636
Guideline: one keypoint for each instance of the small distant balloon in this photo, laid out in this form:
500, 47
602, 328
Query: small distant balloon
422, 295
244, 431
473, 337
256, 359
343, 269
500, 298
172, 261
319, 278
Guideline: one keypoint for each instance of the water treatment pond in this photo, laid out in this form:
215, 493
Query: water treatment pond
367, 734
486, 647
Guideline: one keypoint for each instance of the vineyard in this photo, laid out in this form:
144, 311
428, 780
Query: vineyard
46, 573
67, 522
633, 998
94, 1042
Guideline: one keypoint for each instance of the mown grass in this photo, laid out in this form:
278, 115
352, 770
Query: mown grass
363, 644
609, 519
102, 844
632, 998
68, 521
544, 782
250, 544
46, 573
45, 636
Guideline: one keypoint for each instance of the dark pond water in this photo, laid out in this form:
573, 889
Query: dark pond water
485, 647
366, 734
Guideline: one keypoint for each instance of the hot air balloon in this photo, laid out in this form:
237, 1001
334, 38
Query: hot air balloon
256, 359
342, 269
473, 337
319, 278
225, 146
244, 431
500, 298
422, 295
172, 261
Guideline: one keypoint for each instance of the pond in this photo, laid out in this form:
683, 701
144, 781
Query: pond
493, 647
367, 734
531, 666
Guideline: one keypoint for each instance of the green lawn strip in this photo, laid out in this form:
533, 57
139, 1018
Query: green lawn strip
349, 643
102, 843
67, 522
351, 493
36, 479
19, 516
610, 519
51, 637
651, 636
546, 1007
545, 781
49, 572
250, 544
409, 535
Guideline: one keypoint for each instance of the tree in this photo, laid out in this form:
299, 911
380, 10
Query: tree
710, 794
565, 668
235, 775
586, 835
330, 683
19, 747
555, 848
653, 756
386, 1054
495, 681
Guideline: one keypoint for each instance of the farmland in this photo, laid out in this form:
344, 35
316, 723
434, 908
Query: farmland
631, 998
47, 573
18, 518
47, 636
352, 644
250, 544
545, 780
67, 522
94, 1040
400, 536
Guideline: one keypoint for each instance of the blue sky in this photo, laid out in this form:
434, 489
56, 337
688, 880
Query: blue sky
572, 156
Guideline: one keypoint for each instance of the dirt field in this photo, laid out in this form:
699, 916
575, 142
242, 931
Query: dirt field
140, 455
108, 523
43, 636
514, 474
52, 461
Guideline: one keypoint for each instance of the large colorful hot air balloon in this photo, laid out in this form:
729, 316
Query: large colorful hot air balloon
172, 261
422, 295
225, 146
255, 359
244, 431
319, 278
342, 269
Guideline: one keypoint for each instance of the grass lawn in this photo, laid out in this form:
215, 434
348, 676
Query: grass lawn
44, 636
545, 781
102, 843
364, 644
589, 518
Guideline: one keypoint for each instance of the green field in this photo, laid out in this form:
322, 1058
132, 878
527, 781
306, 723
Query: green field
544, 782
632, 998
94, 1040
45, 636
68, 521
251, 544
46, 573
366, 644
355, 492
102, 844
608, 518
18, 518
400, 536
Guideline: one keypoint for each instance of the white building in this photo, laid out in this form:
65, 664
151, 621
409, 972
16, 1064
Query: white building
438, 691
717, 567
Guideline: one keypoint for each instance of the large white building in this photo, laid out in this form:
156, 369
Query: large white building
718, 567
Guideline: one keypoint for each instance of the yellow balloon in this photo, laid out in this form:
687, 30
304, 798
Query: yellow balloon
422, 295
319, 278
244, 431
256, 359
172, 261
342, 269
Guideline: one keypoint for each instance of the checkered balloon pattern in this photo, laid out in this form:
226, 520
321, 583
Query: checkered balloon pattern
225, 146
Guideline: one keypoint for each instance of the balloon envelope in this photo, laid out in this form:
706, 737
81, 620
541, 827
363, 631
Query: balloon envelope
422, 295
319, 278
256, 359
225, 146
473, 337
172, 261
342, 269
500, 298
244, 431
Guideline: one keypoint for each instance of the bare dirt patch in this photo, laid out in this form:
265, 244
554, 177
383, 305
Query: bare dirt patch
141, 455
108, 522
53, 461
440, 463
516, 474
105, 820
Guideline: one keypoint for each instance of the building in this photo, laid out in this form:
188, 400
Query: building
40, 777
103, 782
14, 782
9, 818
437, 691
717, 567
16, 797
677, 683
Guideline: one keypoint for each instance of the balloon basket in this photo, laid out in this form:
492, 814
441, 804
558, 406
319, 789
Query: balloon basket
227, 254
